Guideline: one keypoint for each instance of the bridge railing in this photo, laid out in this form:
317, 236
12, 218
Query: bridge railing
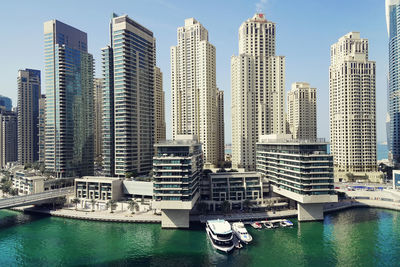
20, 200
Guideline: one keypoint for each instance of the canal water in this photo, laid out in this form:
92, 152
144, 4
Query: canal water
358, 237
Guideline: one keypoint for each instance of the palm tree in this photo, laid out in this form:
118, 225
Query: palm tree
75, 201
247, 204
226, 207
133, 206
112, 204
93, 202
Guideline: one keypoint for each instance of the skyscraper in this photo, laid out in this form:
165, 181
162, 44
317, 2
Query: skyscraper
220, 127
352, 106
128, 95
28, 115
258, 95
302, 111
8, 137
69, 101
42, 126
159, 107
393, 116
98, 113
194, 88
5, 103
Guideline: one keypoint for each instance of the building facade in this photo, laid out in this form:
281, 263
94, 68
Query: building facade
194, 89
69, 101
98, 113
177, 168
393, 114
220, 128
128, 95
258, 95
28, 115
352, 106
8, 137
159, 107
5, 103
302, 111
300, 170
41, 128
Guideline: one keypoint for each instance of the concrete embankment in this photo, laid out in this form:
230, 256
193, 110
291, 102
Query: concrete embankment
96, 216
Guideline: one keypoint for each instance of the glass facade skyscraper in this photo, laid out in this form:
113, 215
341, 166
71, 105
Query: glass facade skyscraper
69, 101
6, 103
393, 117
128, 98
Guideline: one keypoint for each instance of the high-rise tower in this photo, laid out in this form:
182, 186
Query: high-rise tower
98, 113
128, 98
258, 95
302, 111
352, 106
159, 107
28, 115
69, 101
194, 88
393, 116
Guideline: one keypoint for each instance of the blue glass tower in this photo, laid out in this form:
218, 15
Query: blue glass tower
393, 118
6, 103
69, 130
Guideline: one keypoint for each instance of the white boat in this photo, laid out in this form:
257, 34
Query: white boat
256, 225
286, 223
220, 234
270, 225
240, 231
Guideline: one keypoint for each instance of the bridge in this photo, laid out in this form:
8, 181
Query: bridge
37, 198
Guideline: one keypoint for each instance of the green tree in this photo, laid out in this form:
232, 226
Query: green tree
226, 207
42, 169
247, 205
133, 206
76, 202
112, 204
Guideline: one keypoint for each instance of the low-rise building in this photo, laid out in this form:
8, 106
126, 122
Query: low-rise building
28, 185
177, 168
101, 189
235, 187
301, 170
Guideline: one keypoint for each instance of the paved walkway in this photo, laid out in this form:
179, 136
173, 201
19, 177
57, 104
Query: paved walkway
117, 216
362, 203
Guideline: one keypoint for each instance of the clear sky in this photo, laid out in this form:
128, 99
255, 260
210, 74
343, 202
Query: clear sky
305, 31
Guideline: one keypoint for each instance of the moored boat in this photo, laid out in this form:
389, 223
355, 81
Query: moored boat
286, 223
220, 234
241, 233
256, 225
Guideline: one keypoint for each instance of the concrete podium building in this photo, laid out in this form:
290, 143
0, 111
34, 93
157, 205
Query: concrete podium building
177, 168
300, 170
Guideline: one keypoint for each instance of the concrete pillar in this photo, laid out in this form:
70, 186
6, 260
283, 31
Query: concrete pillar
174, 218
310, 212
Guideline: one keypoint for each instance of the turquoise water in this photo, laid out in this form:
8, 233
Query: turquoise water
358, 237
